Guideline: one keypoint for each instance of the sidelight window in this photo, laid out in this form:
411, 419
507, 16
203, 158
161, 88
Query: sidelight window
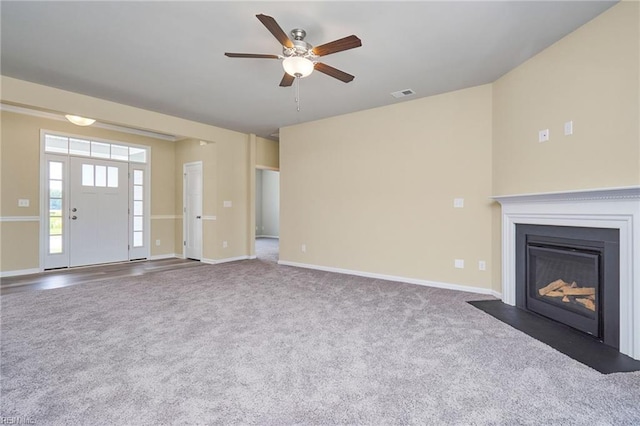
56, 172
138, 208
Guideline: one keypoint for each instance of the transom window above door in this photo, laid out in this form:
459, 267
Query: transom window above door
56, 144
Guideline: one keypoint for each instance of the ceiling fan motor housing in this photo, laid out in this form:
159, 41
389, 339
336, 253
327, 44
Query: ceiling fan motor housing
300, 47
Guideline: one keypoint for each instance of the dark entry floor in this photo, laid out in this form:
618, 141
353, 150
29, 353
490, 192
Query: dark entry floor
70, 276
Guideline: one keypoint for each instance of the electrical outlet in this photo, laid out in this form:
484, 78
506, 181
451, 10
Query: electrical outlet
224, 244
543, 135
482, 265
157, 242
227, 204
22, 202
459, 263
458, 203
303, 248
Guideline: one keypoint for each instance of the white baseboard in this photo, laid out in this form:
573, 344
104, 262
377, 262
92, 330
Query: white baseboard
229, 259
165, 256
268, 236
6, 274
447, 286
496, 294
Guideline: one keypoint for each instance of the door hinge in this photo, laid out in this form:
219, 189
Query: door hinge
184, 210
184, 243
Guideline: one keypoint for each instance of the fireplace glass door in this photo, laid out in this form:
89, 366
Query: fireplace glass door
563, 283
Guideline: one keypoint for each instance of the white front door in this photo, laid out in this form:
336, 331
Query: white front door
98, 211
193, 210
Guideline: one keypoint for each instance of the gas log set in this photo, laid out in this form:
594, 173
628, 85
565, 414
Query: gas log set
570, 293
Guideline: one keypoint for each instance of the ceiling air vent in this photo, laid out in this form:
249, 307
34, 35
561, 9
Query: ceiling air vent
403, 93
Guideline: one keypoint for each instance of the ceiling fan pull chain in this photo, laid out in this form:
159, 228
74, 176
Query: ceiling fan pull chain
298, 93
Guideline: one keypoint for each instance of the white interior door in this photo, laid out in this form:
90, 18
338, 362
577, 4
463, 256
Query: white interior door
193, 210
98, 211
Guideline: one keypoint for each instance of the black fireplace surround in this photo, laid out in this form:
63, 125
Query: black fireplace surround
571, 275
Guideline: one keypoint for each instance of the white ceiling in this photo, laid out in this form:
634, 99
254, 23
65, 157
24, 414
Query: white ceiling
169, 56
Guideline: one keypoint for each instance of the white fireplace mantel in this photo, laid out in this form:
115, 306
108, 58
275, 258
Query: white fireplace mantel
617, 208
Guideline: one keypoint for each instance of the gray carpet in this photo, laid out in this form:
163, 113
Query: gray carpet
252, 342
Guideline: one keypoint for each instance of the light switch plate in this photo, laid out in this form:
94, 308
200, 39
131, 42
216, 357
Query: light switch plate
459, 263
458, 203
568, 128
226, 204
23, 202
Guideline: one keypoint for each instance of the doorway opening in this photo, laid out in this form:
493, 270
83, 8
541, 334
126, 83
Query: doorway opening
267, 214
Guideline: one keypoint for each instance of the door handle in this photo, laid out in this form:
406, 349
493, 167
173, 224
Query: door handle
74, 217
74, 210
198, 217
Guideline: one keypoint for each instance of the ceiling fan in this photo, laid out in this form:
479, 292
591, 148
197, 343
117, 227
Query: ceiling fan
299, 57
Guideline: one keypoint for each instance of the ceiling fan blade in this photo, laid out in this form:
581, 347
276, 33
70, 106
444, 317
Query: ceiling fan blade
333, 72
250, 55
345, 43
275, 29
287, 80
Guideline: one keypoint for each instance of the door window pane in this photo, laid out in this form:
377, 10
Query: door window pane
55, 226
100, 150
55, 244
101, 176
79, 147
112, 177
59, 144
55, 207
137, 192
87, 175
138, 176
119, 152
137, 208
55, 170
137, 155
55, 189
137, 239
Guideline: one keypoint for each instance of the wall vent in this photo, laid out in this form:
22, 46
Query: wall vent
403, 93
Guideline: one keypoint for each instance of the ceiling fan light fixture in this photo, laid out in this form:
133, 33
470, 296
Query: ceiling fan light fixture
297, 66
80, 121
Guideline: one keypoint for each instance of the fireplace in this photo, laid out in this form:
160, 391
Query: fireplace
615, 209
570, 275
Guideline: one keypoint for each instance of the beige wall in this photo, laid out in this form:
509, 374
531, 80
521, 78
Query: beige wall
591, 77
373, 191
19, 178
225, 166
267, 154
